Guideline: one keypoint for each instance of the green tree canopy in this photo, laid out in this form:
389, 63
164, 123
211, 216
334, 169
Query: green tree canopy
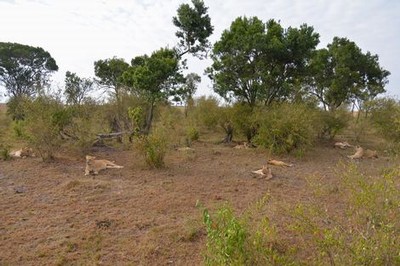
76, 88
109, 72
24, 70
260, 62
154, 78
194, 28
343, 74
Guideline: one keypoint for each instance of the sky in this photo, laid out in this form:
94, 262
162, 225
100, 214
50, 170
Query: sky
78, 33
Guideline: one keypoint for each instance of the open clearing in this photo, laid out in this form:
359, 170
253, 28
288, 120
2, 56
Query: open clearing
52, 214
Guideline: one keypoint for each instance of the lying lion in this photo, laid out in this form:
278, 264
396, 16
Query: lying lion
22, 153
264, 172
342, 145
278, 163
361, 153
94, 166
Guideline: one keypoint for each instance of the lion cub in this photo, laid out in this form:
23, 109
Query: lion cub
94, 166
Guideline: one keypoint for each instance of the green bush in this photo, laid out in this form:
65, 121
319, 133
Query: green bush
368, 234
42, 126
5, 153
153, 147
329, 124
286, 127
385, 116
206, 112
242, 240
192, 134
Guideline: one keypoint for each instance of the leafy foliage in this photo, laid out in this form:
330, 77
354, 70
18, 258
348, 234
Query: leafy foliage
109, 72
385, 116
342, 73
154, 78
194, 28
153, 147
285, 128
256, 62
24, 70
76, 88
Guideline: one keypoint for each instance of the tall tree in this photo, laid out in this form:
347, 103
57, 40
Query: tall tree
109, 72
187, 90
343, 74
76, 88
194, 29
154, 78
256, 62
24, 70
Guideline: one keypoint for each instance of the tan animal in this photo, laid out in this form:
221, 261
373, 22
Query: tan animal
245, 145
278, 163
22, 153
264, 172
342, 145
359, 153
370, 154
94, 166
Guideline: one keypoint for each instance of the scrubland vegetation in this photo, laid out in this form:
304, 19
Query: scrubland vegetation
277, 92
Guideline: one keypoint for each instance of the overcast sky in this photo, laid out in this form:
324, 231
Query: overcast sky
77, 33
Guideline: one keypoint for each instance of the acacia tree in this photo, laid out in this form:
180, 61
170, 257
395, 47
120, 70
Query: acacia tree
343, 74
187, 90
76, 88
153, 78
24, 70
109, 72
194, 29
256, 62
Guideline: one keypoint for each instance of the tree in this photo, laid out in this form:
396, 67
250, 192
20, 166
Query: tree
109, 72
343, 74
154, 78
24, 70
76, 88
256, 62
185, 93
194, 29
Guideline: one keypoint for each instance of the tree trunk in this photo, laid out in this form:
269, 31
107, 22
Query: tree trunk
229, 133
149, 119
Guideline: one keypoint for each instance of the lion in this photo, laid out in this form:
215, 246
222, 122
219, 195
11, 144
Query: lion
359, 153
342, 145
94, 166
278, 163
370, 154
23, 153
265, 172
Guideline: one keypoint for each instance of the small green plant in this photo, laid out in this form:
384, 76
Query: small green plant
153, 147
243, 240
329, 124
192, 134
367, 235
5, 153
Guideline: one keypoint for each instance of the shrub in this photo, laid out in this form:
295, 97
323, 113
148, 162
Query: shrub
367, 235
286, 127
329, 124
242, 240
192, 134
42, 126
385, 116
206, 112
153, 147
5, 153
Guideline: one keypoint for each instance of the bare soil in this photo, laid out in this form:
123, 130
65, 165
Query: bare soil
52, 214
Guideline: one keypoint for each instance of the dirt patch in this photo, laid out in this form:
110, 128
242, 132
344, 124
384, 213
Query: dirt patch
51, 213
